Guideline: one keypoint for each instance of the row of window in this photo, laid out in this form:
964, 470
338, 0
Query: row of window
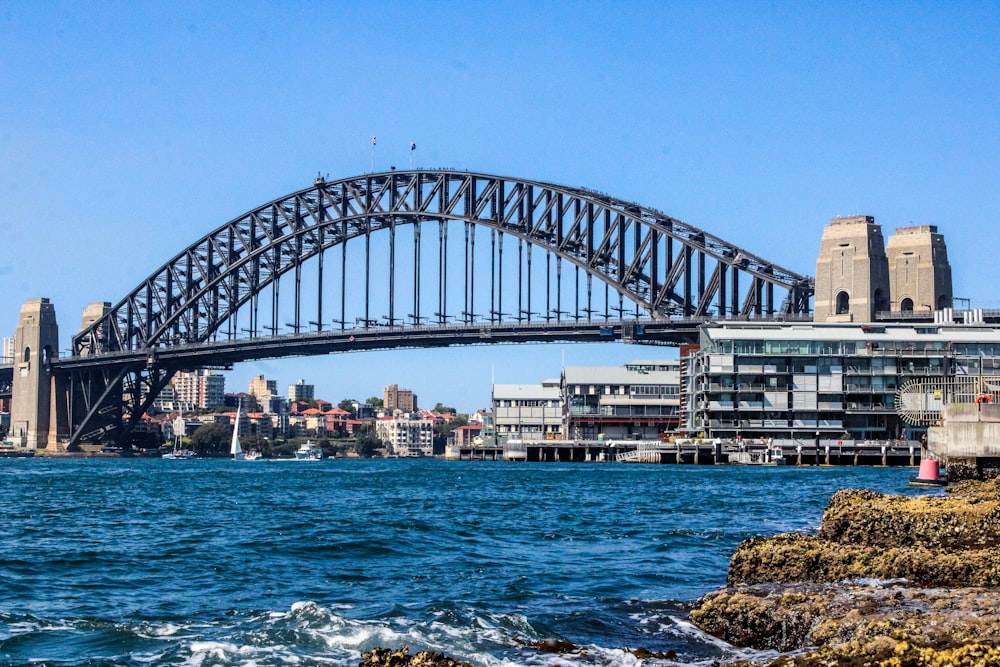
849, 347
528, 403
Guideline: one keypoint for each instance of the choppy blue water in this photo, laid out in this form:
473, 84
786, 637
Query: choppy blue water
152, 562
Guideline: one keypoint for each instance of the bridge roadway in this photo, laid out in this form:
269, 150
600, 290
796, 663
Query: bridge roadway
226, 352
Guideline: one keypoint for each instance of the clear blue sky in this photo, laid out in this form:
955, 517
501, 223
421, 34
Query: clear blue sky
129, 130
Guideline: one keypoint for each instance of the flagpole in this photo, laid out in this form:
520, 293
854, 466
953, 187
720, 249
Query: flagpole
413, 147
373, 154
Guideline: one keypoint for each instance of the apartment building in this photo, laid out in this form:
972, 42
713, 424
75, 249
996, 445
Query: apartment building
823, 380
406, 434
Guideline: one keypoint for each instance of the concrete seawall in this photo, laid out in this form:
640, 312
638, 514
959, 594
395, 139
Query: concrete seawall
968, 440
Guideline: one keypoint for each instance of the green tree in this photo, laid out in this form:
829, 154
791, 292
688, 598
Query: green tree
145, 440
367, 445
374, 401
348, 404
444, 409
212, 439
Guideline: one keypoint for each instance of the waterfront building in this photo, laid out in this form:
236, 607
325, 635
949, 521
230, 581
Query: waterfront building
822, 380
202, 388
639, 400
406, 434
528, 411
300, 391
394, 398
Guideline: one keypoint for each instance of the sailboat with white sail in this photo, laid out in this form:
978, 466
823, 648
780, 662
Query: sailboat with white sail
234, 447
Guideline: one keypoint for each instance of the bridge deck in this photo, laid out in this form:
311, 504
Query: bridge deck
650, 332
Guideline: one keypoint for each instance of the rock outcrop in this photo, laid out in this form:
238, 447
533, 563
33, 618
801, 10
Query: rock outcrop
384, 657
888, 580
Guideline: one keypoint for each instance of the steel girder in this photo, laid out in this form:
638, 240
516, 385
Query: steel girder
652, 260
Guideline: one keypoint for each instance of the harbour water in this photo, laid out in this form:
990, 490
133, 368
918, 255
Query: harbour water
216, 562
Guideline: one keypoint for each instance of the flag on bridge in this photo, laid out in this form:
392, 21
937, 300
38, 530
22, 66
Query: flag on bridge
413, 146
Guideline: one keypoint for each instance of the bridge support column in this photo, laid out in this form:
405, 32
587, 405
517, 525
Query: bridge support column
36, 340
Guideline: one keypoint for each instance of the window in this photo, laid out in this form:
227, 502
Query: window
843, 303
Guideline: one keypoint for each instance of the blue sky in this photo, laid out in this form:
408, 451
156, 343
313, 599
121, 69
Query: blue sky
129, 130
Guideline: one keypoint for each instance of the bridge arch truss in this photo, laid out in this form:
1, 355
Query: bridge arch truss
439, 248
657, 265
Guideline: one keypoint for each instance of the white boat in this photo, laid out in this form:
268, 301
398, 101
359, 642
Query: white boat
234, 447
308, 452
254, 455
178, 453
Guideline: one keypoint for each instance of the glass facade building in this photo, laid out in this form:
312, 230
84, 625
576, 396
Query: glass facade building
809, 381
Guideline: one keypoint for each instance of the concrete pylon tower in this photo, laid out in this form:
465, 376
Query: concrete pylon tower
919, 272
92, 313
852, 272
35, 342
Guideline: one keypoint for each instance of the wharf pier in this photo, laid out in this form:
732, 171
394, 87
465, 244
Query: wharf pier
700, 451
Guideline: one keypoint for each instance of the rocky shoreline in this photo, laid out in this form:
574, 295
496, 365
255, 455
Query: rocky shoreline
888, 580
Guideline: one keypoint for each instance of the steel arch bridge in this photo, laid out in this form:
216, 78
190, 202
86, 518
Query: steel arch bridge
607, 265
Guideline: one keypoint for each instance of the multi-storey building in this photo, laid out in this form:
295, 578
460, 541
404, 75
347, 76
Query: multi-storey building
300, 391
822, 380
201, 388
639, 400
527, 411
263, 390
394, 398
406, 434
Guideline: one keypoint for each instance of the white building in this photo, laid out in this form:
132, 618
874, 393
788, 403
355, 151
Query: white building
528, 411
7, 350
406, 435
